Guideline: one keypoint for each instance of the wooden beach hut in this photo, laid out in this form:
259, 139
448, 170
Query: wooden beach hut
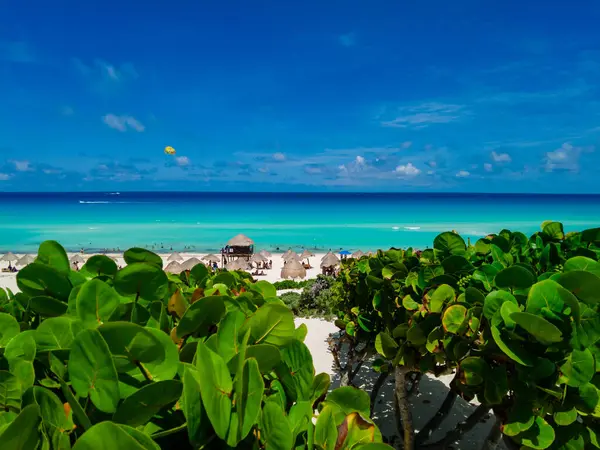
329, 263
240, 246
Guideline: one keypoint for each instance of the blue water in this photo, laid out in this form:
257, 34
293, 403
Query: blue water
205, 221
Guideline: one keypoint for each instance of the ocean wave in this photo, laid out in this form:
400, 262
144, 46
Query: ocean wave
395, 228
91, 203
412, 228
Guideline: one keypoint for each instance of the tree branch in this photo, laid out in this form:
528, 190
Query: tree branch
401, 374
437, 419
377, 387
463, 427
494, 437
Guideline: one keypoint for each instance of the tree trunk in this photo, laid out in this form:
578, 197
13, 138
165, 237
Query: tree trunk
401, 375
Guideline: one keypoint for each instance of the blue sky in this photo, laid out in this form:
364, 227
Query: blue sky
300, 96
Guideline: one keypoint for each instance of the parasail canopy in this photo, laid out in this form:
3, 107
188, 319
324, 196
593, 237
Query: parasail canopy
169, 150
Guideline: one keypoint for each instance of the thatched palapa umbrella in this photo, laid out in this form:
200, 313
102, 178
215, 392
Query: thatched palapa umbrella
266, 254
258, 258
238, 264
211, 258
9, 257
292, 257
25, 260
241, 240
287, 254
358, 254
306, 254
330, 260
174, 267
77, 258
293, 269
175, 257
190, 263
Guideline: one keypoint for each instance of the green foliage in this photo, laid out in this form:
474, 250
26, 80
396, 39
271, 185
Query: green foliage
515, 317
138, 359
291, 284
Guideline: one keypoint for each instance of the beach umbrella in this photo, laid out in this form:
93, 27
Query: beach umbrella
288, 254
77, 258
306, 254
9, 257
358, 254
292, 257
238, 264
258, 258
25, 260
241, 240
293, 269
328, 255
190, 263
174, 267
265, 253
330, 260
345, 253
211, 258
175, 257
371, 253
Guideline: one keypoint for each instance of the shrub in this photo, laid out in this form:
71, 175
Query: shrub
290, 284
291, 300
515, 318
138, 359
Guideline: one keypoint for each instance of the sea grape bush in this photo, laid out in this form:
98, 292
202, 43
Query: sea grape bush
515, 318
135, 358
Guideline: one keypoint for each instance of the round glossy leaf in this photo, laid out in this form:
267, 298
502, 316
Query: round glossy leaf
92, 371
52, 254
38, 279
565, 417
267, 356
56, 333
109, 435
456, 264
486, 274
449, 243
265, 288
130, 344
554, 230
204, 312
276, 432
137, 409
22, 433
52, 410
20, 353
347, 400
539, 436
441, 296
514, 350
548, 295
10, 392
141, 255
9, 328
588, 401
544, 331
582, 263
47, 306
585, 285
483, 246
386, 346
453, 319
271, 324
496, 386
473, 370
225, 278
579, 368
162, 368
143, 279
494, 300
248, 401
96, 302
98, 265
199, 272
516, 277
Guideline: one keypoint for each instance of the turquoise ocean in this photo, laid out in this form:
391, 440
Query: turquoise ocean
275, 221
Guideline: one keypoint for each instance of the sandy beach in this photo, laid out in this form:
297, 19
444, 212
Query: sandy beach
425, 402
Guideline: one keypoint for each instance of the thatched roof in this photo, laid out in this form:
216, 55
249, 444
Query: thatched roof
330, 260
292, 257
238, 264
211, 258
293, 269
265, 253
190, 263
175, 257
77, 258
306, 254
241, 240
174, 267
358, 254
287, 254
257, 257
10, 257
25, 260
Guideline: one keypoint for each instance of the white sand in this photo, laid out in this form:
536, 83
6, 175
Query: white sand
424, 403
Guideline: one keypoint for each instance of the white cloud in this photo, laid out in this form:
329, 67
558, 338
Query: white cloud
106, 70
501, 157
263, 169
407, 170
279, 156
564, 158
488, 167
406, 144
123, 123
4, 177
425, 114
347, 40
22, 166
463, 174
360, 160
182, 161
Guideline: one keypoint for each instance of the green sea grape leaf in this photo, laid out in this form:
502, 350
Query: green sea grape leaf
9, 328
109, 435
96, 302
267, 356
579, 368
486, 275
299, 416
98, 265
582, 263
386, 346
514, 350
539, 436
10, 392
276, 432
248, 401
22, 433
494, 300
515, 277
496, 386
215, 388
554, 230
92, 371
299, 372
141, 255
544, 331
320, 386
326, 433
47, 306
565, 417
449, 243
56, 333
20, 353
140, 407
456, 263
453, 318
585, 285
506, 310
550, 296
143, 279
52, 254
346, 400
270, 324
193, 410
39, 279
473, 370
202, 313
443, 295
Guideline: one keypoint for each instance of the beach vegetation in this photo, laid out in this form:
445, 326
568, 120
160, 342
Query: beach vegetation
514, 318
135, 358
291, 284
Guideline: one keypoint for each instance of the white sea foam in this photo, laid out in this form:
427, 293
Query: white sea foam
395, 228
412, 228
90, 203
